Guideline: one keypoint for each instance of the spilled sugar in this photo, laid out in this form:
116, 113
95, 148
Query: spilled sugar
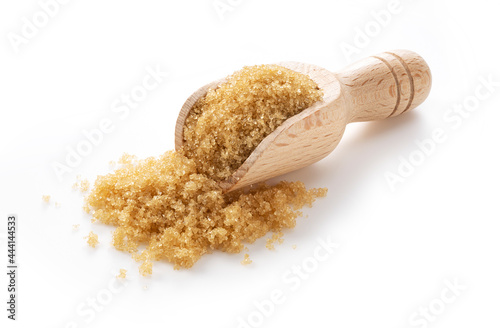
173, 204
277, 237
122, 274
92, 239
246, 260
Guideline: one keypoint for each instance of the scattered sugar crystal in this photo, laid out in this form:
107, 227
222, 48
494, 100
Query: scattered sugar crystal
122, 274
81, 184
276, 237
246, 260
84, 185
92, 239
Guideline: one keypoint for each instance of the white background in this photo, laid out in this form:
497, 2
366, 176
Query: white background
398, 250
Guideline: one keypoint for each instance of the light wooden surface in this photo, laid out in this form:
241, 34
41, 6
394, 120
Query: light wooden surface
373, 88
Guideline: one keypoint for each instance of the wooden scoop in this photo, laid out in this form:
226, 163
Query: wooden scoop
373, 88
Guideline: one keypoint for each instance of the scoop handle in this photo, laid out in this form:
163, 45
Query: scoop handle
385, 85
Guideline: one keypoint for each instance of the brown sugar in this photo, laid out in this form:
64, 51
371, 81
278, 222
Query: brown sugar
81, 184
46, 199
228, 123
182, 215
173, 204
246, 260
276, 237
122, 274
92, 239
84, 185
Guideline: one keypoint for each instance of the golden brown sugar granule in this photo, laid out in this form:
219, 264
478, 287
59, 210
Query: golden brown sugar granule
76, 185
246, 260
57, 204
92, 239
81, 184
146, 267
294, 246
76, 227
84, 185
122, 274
228, 123
87, 209
276, 237
46, 198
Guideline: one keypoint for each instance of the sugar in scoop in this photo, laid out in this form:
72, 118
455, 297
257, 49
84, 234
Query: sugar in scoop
228, 123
